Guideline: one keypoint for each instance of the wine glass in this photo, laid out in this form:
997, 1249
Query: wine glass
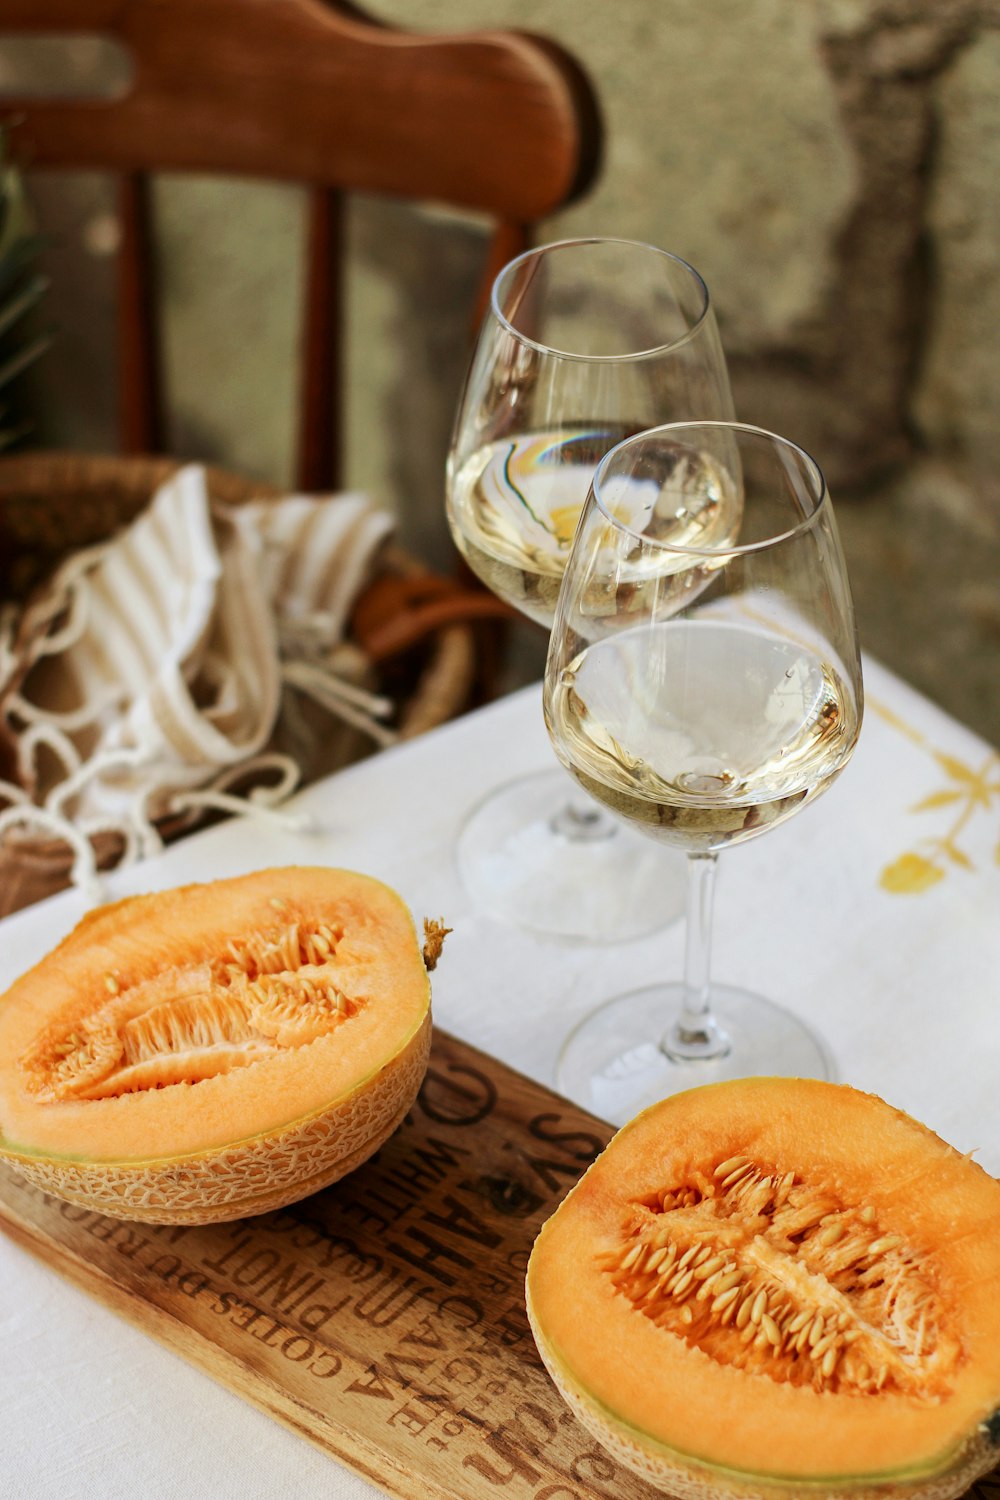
704, 685
584, 342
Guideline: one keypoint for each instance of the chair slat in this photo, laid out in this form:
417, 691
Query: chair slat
319, 450
139, 385
307, 91
297, 89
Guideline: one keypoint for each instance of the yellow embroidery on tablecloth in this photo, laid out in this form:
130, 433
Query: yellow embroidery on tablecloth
910, 874
965, 792
891, 717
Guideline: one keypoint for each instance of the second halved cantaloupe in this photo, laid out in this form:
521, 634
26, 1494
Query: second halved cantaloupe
779, 1288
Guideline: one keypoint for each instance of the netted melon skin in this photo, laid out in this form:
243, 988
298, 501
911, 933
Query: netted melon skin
688, 1480
249, 1177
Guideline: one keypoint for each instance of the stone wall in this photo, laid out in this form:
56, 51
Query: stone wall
830, 166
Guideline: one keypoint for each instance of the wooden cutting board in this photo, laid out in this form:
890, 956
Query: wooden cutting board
382, 1319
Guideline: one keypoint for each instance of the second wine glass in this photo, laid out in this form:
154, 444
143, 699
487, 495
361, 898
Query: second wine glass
584, 342
705, 689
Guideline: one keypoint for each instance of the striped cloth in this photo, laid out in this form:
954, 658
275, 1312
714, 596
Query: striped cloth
149, 674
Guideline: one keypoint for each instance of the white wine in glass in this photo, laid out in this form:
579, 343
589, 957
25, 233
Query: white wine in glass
584, 342
703, 690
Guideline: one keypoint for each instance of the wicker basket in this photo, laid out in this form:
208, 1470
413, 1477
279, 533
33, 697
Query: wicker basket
414, 626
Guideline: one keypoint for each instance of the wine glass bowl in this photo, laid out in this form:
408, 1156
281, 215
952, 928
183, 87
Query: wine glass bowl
703, 683
584, 342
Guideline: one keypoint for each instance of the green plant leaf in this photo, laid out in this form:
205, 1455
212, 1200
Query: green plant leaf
22, 358
16, 259
22, 287
11, 435
27, 297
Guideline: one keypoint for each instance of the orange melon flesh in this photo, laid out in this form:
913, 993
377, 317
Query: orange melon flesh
620, 1349
155, 939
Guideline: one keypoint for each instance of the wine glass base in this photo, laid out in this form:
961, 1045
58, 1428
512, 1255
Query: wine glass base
522, 860
614, 1063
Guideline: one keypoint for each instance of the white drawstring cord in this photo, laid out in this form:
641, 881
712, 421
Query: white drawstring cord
260, 802
268, 760
125, 759
356, 706
10, 659
132, 847
137, 832
62, 747
68, 591
84, 873
226, 802
71, 718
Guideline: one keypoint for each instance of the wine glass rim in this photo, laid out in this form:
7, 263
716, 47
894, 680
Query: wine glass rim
730, 549
537, 251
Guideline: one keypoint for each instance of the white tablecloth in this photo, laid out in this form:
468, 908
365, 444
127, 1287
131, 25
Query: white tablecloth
874, 914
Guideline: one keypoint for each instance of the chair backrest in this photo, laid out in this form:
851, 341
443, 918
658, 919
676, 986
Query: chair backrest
499, 122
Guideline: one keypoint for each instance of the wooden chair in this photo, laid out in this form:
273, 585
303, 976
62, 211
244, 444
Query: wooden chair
314, 92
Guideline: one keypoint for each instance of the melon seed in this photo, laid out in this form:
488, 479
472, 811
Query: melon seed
731, 1278
750, 1286
709, 1267
736, 1176
724, 1299
784, 1188
886, 1242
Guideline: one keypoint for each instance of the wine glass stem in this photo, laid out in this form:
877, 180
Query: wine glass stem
695, 1033
582, 821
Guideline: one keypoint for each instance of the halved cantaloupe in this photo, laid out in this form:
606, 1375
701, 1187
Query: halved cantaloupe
779, 1288
215, 1050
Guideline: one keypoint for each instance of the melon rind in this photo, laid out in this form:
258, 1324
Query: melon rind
687, 1478
254, 1176
245, 1139
682, 1420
